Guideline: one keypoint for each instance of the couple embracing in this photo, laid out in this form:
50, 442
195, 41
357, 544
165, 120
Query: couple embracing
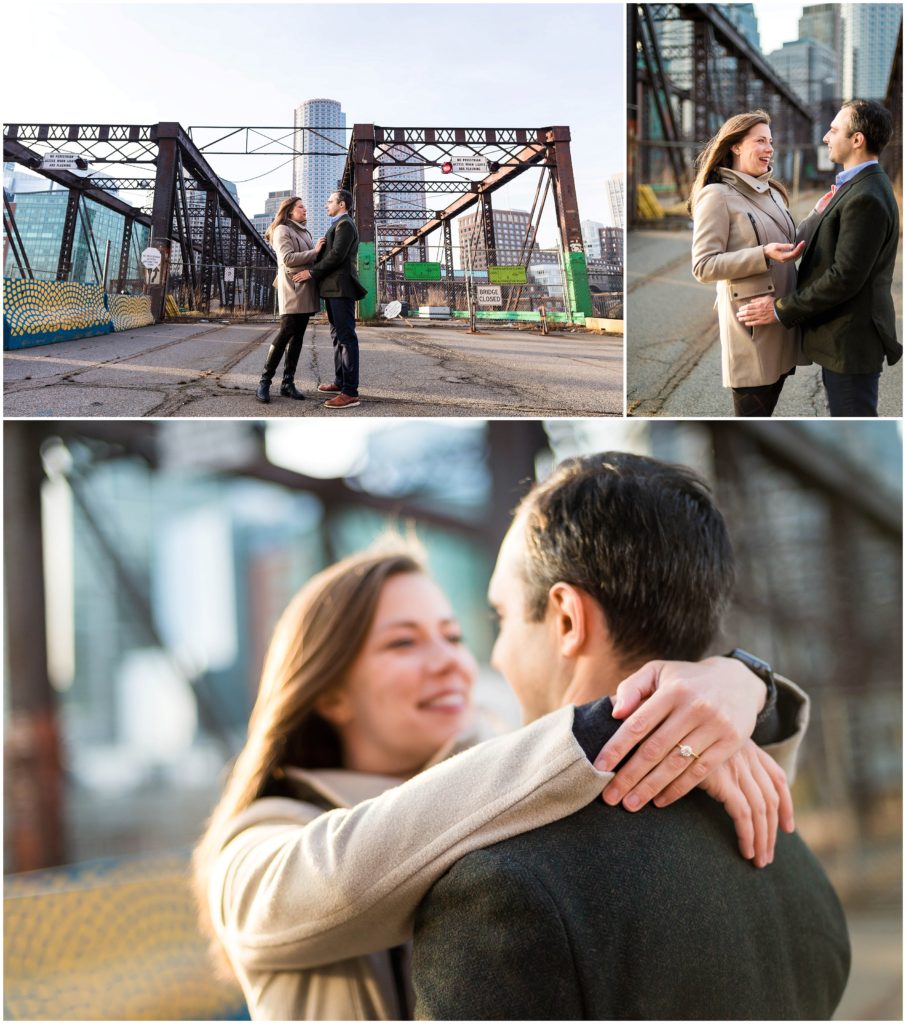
373, 857
837, 311
307, 273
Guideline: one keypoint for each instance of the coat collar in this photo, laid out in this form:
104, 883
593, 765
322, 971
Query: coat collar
342, 788
760, 185
746, 184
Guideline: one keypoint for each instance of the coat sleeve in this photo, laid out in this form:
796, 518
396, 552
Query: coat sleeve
862, 225
290, 896
793, 709
711, 261
341, 245
500, 970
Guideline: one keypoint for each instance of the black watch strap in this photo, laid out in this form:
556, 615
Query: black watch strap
765, 673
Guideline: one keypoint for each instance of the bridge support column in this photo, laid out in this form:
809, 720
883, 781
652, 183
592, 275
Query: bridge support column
577, 289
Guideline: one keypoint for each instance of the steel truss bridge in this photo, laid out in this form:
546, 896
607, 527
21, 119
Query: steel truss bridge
689, 69
201, 239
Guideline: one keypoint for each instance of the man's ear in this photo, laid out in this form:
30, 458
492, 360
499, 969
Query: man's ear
335, 707
566, 604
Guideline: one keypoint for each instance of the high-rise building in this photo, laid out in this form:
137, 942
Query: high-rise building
39, 219
511, 231
320, 139
869, 39
809, 68
821, 22
616, 189
611, 244
273, 201
743, 18
591, 238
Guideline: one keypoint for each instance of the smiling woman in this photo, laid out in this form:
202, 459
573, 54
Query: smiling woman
744, 242
346, 805
366, 683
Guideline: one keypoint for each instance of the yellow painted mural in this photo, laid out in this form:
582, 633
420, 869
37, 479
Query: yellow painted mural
117, 942
129, 311
42, 308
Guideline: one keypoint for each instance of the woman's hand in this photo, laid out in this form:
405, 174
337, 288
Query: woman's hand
754, 791
709, 706
783, 252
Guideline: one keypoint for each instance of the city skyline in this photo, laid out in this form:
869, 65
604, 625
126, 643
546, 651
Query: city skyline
246, 61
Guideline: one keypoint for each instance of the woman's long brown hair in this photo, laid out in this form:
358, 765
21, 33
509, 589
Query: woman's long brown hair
281, 216
315, 641
717, 153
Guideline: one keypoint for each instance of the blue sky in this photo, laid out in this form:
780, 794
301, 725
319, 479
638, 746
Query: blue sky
443, 65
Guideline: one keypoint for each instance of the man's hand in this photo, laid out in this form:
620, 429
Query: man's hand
319, 245
754, 791
303, 275
757, 312
710, 706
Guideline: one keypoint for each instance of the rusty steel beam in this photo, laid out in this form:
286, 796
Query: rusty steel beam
33, 770
15, 152
361, 150
67, 239
162, 212
565, 199
532, 155
727, 35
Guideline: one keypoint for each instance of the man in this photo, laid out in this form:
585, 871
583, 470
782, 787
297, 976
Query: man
339, 286
608, 915
843, 296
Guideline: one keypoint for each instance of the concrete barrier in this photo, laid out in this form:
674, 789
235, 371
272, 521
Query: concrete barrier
601, 325
42, 312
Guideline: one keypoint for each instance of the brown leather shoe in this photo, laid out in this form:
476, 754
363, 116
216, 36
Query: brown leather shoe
342, 402
328, 389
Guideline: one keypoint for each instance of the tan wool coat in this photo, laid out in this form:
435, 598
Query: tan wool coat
732, 221
295, 250
310, 893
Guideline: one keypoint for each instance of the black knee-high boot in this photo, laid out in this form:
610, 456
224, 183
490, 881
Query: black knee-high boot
288, 387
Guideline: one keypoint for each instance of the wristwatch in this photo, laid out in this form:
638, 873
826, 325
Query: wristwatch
765, 673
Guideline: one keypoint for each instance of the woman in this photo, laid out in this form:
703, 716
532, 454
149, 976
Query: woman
316, 857
296, 300
743, 239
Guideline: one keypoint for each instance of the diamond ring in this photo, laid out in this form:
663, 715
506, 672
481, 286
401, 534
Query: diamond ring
686, 751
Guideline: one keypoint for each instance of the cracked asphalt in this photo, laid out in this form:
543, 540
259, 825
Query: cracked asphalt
673, 345
212, 369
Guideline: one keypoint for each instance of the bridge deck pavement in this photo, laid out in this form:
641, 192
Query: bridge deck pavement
212, 369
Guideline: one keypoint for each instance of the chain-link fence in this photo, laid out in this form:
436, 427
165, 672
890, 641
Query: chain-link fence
243, 292
433, 282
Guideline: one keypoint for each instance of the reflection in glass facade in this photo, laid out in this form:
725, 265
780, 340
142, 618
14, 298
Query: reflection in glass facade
40, 217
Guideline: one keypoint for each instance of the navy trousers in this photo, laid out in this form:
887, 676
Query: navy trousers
851, 394
341, 314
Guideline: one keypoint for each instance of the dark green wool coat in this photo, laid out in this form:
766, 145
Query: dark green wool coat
843, 298
607, 915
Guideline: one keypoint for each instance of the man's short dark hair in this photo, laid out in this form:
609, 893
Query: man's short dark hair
644, 538
344, 196
873, 121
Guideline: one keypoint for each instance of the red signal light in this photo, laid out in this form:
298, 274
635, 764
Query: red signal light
447, 166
